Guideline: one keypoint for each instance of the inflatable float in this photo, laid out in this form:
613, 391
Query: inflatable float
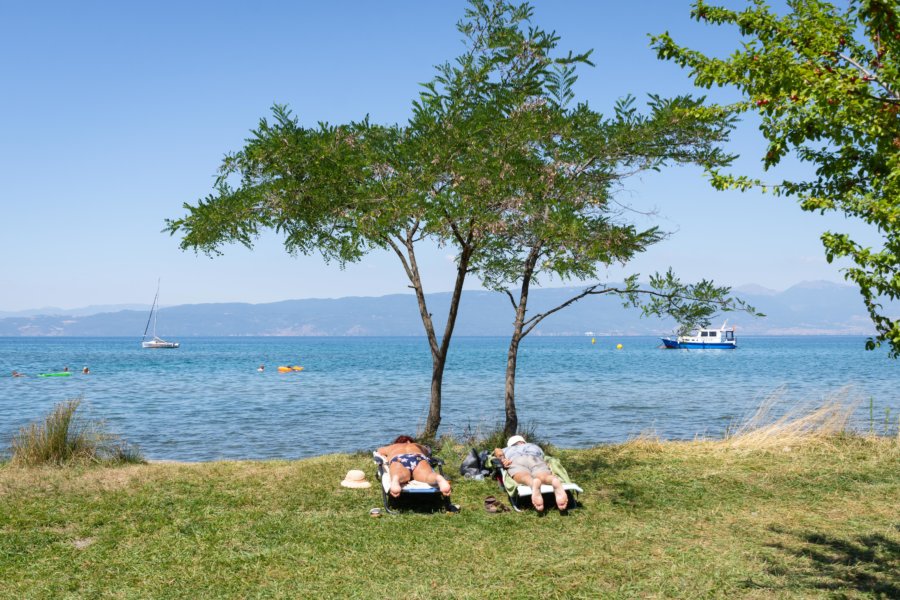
289, 369
60, 374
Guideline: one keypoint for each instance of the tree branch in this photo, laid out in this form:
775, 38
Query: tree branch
872, 77
511, 299
533, 321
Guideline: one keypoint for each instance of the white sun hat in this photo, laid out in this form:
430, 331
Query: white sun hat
514, 440
355, 479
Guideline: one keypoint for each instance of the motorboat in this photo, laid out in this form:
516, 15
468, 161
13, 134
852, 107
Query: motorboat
721, 338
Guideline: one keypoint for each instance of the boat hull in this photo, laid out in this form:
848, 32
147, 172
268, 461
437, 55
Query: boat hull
160, 345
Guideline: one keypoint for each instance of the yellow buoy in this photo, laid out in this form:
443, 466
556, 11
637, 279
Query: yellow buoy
593, 340
618, 346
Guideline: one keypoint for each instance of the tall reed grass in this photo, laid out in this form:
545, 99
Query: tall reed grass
801, 423
64, 438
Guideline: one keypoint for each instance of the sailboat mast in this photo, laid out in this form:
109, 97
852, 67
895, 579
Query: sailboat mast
150, 316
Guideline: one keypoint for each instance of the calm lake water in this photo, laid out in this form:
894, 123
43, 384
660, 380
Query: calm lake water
206, 400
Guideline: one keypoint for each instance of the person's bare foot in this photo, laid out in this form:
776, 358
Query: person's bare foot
395, 487
537, 500
562, 498
443, 485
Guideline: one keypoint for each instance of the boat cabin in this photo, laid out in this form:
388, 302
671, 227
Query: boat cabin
716, 335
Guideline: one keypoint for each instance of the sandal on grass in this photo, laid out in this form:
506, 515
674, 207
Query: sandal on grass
493, 506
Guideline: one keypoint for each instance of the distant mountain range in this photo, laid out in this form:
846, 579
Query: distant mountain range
809, 308
82, 312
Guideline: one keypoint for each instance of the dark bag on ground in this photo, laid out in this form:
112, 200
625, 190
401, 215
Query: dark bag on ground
473, 465
485, 458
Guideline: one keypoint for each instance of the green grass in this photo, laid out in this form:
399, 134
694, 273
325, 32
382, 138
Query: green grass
673, 519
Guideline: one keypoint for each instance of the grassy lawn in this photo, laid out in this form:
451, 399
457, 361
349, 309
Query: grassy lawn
672, 519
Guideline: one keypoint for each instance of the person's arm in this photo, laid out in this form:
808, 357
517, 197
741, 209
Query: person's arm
498, 452
385, 451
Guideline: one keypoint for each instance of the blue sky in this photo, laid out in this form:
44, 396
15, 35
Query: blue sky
114, 114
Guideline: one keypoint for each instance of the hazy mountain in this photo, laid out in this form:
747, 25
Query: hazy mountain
754, 289
75, 312
807, 308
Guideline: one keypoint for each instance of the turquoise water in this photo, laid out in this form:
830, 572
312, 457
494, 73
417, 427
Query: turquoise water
206, 400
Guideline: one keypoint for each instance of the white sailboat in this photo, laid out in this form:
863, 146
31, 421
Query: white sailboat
154, 341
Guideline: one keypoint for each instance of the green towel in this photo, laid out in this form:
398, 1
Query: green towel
555, 467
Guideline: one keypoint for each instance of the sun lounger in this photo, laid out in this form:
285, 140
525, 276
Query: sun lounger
518, 492
413, 492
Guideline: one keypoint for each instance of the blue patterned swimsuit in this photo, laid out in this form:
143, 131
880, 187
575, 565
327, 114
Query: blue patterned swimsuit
410, 461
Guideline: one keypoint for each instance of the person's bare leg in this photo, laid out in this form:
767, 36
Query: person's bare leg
562, 498
399, 476
525, 478
425, 473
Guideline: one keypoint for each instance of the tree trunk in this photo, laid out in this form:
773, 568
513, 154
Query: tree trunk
404, 247
512, 419
433, 421
439, 351
511, 426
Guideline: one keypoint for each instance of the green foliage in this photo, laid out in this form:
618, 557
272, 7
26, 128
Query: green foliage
542, 181
315, 186
824, 80
691, 305
63, 438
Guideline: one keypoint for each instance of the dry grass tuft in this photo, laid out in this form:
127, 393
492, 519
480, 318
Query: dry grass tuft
798, 425
64, 438
646, 441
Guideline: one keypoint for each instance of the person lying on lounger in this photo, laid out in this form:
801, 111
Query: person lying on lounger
408, 460
525, 464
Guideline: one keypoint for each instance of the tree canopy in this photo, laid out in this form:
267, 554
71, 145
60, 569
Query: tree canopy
825, 81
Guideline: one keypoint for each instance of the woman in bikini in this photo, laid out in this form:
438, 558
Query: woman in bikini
409, 460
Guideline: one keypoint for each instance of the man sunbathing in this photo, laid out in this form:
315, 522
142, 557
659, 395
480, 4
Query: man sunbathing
408, 460
525, 464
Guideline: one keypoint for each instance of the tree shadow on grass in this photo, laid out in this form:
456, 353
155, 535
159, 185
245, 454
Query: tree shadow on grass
592, 464
602, 471
865, 563
418, 503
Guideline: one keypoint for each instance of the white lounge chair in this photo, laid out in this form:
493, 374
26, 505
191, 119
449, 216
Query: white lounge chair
516, 491
413, 492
